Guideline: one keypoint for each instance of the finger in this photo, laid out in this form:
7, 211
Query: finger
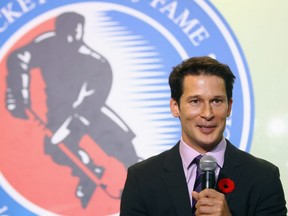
208, 205
195, 195
211, 193
204, 202
211, 210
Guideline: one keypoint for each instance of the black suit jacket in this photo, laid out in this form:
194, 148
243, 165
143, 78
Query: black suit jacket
157, 186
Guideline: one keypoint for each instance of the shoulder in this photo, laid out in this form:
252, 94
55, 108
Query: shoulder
156, 163
153, 162
258, 182
247, 160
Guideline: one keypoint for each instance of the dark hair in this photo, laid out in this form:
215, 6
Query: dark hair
199, 66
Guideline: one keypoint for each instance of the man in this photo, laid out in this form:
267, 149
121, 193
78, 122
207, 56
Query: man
201, 97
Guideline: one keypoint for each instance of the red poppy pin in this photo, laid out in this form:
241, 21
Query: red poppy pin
226, 185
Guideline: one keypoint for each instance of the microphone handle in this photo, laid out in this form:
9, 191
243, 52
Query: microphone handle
208, 180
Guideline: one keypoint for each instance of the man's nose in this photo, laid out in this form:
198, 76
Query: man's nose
207, 111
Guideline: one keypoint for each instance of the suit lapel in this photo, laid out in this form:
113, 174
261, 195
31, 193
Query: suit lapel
230, 170
176, 182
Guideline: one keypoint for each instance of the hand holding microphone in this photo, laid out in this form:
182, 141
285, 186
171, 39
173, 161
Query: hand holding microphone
212, 201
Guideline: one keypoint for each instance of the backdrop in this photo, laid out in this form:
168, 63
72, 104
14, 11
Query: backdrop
260, 27
84, 92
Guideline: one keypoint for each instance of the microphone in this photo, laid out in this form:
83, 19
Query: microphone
208, 165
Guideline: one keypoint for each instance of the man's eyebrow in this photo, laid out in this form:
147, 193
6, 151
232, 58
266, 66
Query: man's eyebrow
193, 96
219, 96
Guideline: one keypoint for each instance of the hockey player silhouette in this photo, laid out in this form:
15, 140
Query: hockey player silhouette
78, 81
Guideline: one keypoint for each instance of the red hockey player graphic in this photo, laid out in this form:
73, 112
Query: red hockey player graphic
80, 129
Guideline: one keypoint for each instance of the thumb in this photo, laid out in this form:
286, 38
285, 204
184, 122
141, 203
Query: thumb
195, 195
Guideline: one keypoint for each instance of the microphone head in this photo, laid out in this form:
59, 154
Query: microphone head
208, 163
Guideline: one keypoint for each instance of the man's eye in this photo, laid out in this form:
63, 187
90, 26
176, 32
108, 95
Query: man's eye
217, 101
194, 101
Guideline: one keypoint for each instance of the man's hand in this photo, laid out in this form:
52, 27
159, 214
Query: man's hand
210, 202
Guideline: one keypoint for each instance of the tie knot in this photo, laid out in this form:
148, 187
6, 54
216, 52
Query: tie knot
197, 159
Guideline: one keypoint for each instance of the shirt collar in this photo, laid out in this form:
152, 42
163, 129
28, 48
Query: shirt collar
188, 154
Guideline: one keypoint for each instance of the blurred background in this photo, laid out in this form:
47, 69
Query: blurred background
262, 31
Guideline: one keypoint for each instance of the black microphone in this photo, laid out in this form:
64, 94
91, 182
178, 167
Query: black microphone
208, 165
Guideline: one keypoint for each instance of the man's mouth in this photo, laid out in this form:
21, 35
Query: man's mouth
206, 129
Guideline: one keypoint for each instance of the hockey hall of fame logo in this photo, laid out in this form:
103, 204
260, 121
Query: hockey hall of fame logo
84, 94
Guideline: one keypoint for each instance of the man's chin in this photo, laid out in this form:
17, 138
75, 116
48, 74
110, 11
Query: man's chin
208, 145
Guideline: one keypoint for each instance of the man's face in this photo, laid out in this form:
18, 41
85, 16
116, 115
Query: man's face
203, 110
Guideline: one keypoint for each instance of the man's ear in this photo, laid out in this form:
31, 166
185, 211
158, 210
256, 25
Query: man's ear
230, 102
174, 108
